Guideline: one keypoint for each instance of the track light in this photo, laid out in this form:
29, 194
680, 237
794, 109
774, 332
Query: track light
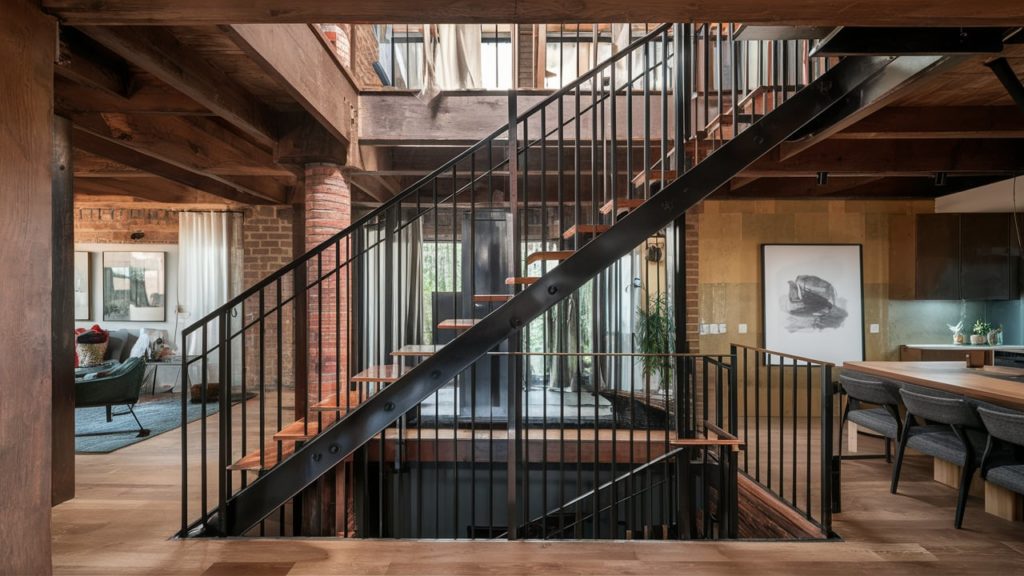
822, 178
940, 178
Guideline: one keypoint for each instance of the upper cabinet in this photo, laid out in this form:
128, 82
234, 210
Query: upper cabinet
953, 256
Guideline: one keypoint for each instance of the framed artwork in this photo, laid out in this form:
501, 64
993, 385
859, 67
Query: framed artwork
134, 287
83, 285
813, 300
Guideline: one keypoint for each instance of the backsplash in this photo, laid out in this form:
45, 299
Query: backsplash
924, 321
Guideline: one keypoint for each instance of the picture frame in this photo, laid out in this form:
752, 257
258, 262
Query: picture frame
82, 284
134, 287
813, 301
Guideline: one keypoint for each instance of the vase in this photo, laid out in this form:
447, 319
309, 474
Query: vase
978, 339
993, 337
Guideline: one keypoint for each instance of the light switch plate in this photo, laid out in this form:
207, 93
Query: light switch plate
722, 328
874, 329
742, 328
703, 329
714, 328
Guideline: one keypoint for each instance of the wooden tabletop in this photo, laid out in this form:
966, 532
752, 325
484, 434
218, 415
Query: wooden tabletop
956, 377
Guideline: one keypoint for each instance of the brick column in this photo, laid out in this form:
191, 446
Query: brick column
328, 210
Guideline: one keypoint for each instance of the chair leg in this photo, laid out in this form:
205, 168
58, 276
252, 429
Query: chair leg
966, 474
899, 461
888, 450
142, 431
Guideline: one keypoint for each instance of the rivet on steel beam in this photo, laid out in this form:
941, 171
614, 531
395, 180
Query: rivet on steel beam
552, 289
388, 407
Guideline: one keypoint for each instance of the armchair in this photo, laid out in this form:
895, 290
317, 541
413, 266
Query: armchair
120, 386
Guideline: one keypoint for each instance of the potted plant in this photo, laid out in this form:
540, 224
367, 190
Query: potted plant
655, 332
979, 335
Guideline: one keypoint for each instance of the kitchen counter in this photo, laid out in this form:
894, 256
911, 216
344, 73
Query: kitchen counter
1007, 347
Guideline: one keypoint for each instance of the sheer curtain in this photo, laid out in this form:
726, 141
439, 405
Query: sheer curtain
208, 270
451, 54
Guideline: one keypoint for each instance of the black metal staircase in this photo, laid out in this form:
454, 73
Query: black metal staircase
569, 181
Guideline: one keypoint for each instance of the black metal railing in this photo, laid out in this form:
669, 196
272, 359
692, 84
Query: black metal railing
789, 420
314, 368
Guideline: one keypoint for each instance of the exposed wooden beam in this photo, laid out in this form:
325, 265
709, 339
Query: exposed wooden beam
791, 12
860, 187
200, 144
148, 188
299, 58
89, 165
897, 158
380, 188
157, 51
805, 187
933, 122
147, 97
271, 192
79, 60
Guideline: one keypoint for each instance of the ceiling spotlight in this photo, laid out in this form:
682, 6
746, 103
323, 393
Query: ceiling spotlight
940, 178
822, 178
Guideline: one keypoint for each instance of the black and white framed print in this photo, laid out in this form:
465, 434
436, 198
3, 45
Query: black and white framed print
814, 300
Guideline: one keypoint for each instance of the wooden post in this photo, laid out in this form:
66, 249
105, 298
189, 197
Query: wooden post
63, 323
27, 49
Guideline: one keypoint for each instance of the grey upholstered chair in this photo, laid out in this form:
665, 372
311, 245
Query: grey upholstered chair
1004, 465
952, 432
884, 419
121, 386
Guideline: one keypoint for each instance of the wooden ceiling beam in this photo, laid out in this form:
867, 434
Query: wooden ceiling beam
299, 58
149, 188
790, 12
270, 192
865, 187
935, 122
80, 61
896, 158
199, 144
158, 52
146, 98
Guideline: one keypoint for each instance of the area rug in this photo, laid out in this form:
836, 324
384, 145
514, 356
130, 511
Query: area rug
158, 414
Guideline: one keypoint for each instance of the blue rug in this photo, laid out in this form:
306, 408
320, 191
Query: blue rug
158, 414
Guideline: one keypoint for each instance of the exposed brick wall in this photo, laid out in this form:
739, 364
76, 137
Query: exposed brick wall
692, 280
267, 247
116, 225
364, 53
328, 210
340, 36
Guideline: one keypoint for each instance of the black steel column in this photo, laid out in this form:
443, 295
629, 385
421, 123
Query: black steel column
514, 403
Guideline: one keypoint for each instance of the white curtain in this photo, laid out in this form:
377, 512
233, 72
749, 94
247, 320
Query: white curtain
451, 54
208, 254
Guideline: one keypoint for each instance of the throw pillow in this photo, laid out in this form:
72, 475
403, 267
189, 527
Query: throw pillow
91, 354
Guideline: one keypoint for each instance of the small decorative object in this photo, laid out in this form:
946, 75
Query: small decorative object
958, 332
979, 335
995, 336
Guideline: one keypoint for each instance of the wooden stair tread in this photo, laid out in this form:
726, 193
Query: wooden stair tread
656, 175
251, 461
332, 402
480, 298
548, 255
298, 431
417, 350
527, 280
457, 324
585, 229
382, 373
621, 204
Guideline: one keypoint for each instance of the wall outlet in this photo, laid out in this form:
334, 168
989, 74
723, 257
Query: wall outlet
703, 329
714, 328
742, 328
874, 329
722, 328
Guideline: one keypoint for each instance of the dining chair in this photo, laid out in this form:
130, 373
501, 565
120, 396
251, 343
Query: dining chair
883, 418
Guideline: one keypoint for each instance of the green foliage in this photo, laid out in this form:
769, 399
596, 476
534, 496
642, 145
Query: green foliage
981, 328
655, 334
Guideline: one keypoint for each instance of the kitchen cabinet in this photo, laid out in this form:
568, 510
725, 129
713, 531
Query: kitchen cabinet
953, 257
988, 260
937, 265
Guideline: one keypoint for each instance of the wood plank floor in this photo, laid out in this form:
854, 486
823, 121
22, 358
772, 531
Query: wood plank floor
127, 507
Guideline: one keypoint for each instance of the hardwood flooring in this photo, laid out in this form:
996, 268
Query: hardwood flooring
127, 507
